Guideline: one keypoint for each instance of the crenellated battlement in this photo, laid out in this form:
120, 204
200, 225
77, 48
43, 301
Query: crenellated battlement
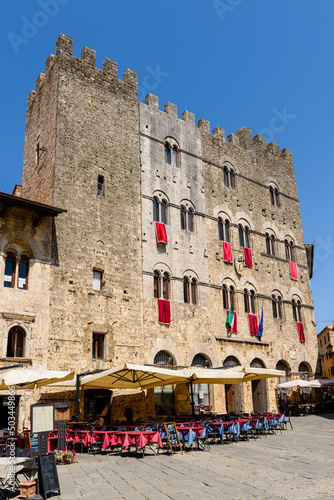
64, 50
241, 139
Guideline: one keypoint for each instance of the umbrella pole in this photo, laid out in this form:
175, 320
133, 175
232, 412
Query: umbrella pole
77, 399
192, 399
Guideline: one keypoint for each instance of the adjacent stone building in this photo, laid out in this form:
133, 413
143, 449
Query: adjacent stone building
160, 228
326, 356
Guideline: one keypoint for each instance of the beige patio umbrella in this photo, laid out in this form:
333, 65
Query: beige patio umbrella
251, 373
130, 376
30, 378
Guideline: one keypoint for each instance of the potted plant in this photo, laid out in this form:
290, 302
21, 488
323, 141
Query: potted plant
64, 457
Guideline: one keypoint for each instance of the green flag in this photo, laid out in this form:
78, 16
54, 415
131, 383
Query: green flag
230, 319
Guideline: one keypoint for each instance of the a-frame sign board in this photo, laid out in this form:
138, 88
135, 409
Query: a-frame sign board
172, 436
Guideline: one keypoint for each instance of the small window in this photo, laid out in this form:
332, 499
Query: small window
296, 310
174, 156
156, 209
223, 229
167, 153
187, 218
156, 285
270, 244
183, 217
289, 253
231, 294
320, 343
186, 297
9, 278
246, 301
100, 185
243, 236
225, 297
190, 219
194, 291
159, 210
252, 301
16, 342
274, 304
165, 286
228, 177
98, 346
274, 198
23, 272
97, 280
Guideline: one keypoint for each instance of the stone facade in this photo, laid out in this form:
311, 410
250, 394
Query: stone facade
92, 149
325, 344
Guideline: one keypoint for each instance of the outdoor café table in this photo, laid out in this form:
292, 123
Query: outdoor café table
22, 465
190, 433
125, 439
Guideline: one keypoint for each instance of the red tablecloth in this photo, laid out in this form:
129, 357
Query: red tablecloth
130, 438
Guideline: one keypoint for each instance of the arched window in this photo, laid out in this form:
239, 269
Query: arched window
304, 369
296, 310
165, 286
230, 362
186, 297
249, 301
159, 287
231, 294
289, 253
276, 301
194, 291
183, 217
232, 183
225, 297
190, 219
156, 285
243, 236
156, 211
187, 218
175, 156
9, 278
167, 153
246, 301
252, 301
223, 229
274, 198
228, 174
226, 177
270, 244
163, 358
159, 210
16, 342
23, 272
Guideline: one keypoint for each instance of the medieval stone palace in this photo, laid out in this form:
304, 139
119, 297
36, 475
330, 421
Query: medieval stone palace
136, 232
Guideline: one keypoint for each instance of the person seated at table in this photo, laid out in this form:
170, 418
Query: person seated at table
87, 418
99, 420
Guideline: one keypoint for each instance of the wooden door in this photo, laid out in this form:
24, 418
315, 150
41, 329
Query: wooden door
233, 396
259, 392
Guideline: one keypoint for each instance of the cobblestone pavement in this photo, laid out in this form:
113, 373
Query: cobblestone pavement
297, 464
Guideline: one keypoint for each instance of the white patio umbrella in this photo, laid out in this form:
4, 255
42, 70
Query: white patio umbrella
294, 383
29, 378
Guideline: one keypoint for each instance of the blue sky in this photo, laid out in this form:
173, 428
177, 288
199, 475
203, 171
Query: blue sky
233, 62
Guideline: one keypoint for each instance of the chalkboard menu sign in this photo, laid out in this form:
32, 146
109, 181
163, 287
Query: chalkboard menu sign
172, 436
48, 475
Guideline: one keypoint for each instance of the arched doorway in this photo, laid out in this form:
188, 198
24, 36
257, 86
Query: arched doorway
282, 394
201, 392
233, 392
259, 389
164, 396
